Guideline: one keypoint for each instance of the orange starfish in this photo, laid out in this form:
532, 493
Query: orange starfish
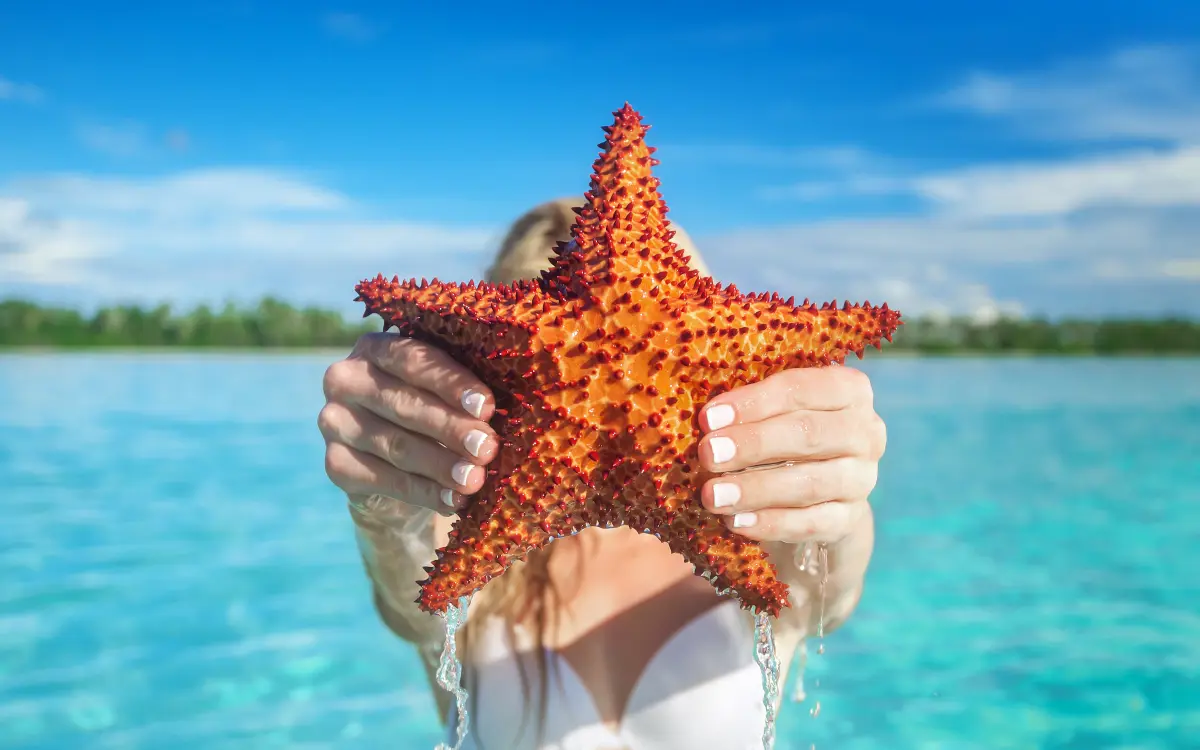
598, 370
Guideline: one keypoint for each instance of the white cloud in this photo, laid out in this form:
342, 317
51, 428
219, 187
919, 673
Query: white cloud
1099, 262
178, 139
196, 193
128, 139
123, 139
212, 234
40, 249
1093, 236
860, 245
842, 157
1140, 179
352, 27
1030, 190
826, 262
20, 92
850, 185
1140, 93
1184, 268
1116, 230
1122, 220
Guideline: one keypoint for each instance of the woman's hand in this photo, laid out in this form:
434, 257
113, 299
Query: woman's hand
404, 420
819, 428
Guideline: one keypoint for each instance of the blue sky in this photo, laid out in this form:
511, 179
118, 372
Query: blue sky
1043, 158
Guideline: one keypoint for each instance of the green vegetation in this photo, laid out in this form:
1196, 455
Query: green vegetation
1171, 335
276, 324
270, 324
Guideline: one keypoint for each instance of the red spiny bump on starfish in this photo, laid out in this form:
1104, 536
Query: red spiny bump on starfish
599, 369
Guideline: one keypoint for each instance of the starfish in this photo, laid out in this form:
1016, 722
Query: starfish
598, 369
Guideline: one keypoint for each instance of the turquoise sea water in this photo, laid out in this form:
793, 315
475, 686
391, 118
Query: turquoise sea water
177, 572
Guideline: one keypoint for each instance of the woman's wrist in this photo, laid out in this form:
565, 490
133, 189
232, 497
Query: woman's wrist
395, 540
827, 578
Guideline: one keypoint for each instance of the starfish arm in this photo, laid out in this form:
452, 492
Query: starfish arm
470, 321
532, 496
732, 339
735, 564
808, 335
730, 562
622, 237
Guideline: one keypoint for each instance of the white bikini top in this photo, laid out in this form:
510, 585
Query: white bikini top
701, 689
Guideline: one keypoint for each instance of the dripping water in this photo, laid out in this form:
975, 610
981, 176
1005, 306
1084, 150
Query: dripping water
823, 572
819, 568
768, 663
804, 562
449, 672
798, 693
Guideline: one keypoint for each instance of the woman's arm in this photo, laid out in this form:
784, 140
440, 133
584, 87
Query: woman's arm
396, 542
801, 565
406, 437
796, 457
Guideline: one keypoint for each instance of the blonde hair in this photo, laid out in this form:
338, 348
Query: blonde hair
526, 589
529, 243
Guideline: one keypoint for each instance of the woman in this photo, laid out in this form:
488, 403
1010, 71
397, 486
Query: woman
604, 639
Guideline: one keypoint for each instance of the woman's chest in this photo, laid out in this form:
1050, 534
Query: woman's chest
615, 617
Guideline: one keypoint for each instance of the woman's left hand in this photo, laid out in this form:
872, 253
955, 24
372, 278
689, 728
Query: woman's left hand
822, 422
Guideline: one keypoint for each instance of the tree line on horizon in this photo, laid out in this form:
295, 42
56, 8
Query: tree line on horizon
275, 324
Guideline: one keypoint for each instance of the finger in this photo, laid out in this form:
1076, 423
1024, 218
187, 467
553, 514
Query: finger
806, 388
429, 368
825, 522
360, 382
796, 436
358, 473
404, 450
798, 485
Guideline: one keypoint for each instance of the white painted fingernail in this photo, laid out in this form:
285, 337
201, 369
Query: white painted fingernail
474, 441
742, 520
448, 498
719, 416
722, 449
472, 401
462, 472
725, 495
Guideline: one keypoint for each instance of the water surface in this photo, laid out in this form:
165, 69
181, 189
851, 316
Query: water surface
176, 570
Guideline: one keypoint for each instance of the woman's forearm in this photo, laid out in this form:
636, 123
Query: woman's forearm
396, 542
848, 560
827, 586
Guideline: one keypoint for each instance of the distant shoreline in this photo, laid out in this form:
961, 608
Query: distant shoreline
275, 328
336, 352
282, 351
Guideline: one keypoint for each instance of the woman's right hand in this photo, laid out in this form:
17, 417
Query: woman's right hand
404, 420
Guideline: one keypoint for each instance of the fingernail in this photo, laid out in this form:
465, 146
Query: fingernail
722, 449
472, 401
742, 520
725, 495
719, 416
473, 442
448, 498
462, 472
